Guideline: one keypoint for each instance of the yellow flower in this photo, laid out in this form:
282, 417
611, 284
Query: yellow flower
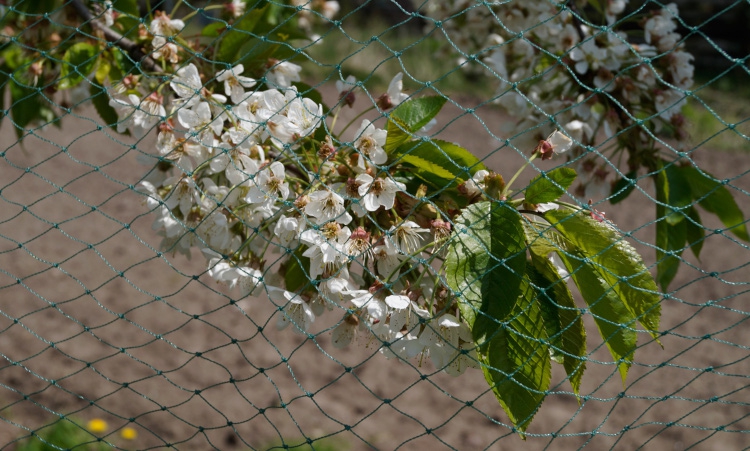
97, 426
128, 433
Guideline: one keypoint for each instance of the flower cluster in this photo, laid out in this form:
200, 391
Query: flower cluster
594, 81
278, 204
250, 176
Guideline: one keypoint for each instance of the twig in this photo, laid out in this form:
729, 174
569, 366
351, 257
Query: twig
121, 41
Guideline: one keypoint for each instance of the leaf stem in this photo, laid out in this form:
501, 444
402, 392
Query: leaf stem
506, 190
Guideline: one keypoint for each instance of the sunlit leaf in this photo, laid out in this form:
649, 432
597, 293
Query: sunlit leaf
549, 186
613, 319
615, 261
77, 63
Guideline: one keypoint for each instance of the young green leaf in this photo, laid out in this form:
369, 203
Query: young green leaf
485, 262
77, 63
716, 199
410, 116
615, 261
416, 113
437, 162
614, 320
549, 186
563, 320
515, 360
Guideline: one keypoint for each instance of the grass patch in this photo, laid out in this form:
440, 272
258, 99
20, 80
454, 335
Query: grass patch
63, 434
719, 112
376, 52
321, 444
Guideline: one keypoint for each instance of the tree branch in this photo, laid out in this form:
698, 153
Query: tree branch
116, 38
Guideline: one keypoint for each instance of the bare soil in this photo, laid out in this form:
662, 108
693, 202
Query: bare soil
96, 323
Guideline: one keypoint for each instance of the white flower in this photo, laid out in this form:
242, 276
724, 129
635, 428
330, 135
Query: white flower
559, 142
346, 331
295, 310
200, 124
578, 130
668, 103
125, 110
387, 258
235, 162
378, 192
373, 308
237, 7
246, 278
445, 347
325, 205
288, 230
234, 83
681, 69
269, 185
152, 199
304, 117
369, 141
326, 248
475, 185
184, 194
214, 231
282, 74
187, 85
406, 237
162, 25
150, 111
404, 313
394, 95
165, 50
587, 55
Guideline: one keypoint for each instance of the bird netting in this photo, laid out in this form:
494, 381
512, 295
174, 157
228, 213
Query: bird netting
373, 225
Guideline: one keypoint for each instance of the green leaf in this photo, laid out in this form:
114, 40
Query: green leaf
214, 29
77, 63
28, 106
410, 116
36, 6
670, 236
549, 186
100, 99
696, 233
516, 362
716, 199
613, 319
484, 265
623, 187
296, 275
440, 163
129, 7
563, 320
236, 35
615, 261
678, 194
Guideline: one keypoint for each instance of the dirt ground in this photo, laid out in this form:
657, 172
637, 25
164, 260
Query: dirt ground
96, 323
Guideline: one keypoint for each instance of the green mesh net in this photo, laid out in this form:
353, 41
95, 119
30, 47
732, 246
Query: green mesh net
114, 334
